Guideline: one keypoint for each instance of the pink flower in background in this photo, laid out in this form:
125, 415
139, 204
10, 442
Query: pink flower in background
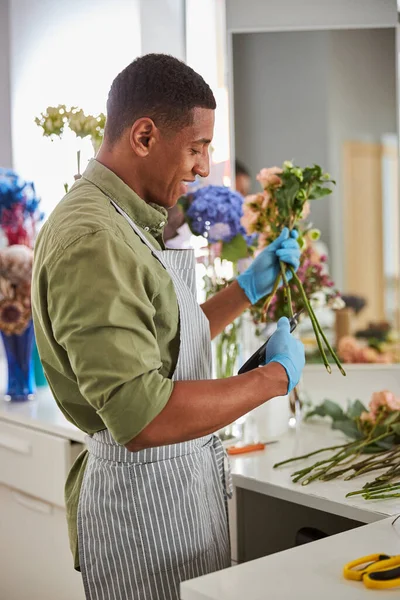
249, 219
384, 399
269, 177
367, 417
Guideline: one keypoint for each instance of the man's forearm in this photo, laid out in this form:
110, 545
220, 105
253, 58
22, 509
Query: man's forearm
198, 408
225, 307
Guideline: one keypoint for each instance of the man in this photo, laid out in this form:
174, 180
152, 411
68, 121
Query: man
242, 178
126, 348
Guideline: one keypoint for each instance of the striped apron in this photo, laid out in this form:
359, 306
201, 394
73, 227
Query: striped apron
150, 519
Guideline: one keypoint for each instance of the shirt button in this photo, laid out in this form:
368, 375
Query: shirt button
147, 228
162, 223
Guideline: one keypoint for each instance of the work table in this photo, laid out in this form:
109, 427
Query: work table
309, 572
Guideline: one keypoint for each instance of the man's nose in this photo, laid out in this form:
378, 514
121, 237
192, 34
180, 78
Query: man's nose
202, 167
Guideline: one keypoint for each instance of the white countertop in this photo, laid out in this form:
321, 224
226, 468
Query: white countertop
41, 414
310, 572
255, 472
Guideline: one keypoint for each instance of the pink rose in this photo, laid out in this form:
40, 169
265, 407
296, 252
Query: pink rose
269, 177
249, 219
384, 399
348, 349
367, 417
266, 198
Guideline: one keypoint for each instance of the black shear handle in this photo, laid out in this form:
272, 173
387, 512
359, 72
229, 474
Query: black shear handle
258, 357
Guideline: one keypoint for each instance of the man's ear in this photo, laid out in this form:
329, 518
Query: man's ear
143, 136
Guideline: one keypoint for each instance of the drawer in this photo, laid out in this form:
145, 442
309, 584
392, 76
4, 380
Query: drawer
34, 462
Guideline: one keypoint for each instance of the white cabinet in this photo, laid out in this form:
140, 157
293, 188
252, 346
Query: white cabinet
35, 558
36, 561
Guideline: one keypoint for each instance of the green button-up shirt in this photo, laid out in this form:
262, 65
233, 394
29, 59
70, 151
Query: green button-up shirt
105, 314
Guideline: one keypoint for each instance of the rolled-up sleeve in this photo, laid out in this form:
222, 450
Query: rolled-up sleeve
100, 300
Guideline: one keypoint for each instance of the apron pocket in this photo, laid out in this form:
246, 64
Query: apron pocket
172, 511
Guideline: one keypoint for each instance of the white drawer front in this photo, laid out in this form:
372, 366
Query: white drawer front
34, 462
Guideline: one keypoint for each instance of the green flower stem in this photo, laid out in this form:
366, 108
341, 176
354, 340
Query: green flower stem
287, 288
304, 456
381, 497
313, 319
269, 298
379, 489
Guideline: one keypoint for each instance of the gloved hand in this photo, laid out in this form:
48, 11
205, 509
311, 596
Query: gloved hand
284, 349
258, 280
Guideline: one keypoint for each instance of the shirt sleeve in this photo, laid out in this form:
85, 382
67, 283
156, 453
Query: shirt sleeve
100, 305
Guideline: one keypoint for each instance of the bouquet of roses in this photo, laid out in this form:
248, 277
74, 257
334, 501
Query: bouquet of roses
374, 431
284, 202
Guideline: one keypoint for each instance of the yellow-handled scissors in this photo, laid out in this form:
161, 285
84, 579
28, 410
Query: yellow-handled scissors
376, 571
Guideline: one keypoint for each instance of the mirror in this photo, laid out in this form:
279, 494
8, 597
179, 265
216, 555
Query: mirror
329, 97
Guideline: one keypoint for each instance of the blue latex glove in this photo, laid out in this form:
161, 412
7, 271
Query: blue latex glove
284, 349
258, 280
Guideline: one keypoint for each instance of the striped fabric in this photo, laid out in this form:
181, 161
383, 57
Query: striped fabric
148, 520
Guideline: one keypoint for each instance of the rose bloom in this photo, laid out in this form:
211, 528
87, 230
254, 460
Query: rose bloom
269, 177
249, 219
384, 399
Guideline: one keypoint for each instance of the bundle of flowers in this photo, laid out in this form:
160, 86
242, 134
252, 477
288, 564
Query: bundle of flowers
55, 118
19, 214
15, 288
284, 202
352, 351
19, 218
374, 431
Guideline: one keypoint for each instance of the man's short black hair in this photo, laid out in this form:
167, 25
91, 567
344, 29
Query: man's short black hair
158, 86
240, 169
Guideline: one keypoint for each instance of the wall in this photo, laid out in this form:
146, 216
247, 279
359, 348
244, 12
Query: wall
280, 105
362, 105
299, 95
63, 53
163, 27
5, 125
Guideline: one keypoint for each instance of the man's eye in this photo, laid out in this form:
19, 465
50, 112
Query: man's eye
193, 151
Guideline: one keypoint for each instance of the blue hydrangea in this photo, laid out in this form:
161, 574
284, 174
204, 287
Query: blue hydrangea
14, 190
215, 213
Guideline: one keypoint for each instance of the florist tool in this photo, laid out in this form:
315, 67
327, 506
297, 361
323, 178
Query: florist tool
258, 358
376, 571
245, 448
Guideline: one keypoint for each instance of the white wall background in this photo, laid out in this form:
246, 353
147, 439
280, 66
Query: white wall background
60, 52
299, 95
5, 125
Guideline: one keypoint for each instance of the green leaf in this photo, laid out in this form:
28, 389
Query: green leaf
396, 428
348, 427
235, 249
319, 192
392, 418
328, 409
355, 409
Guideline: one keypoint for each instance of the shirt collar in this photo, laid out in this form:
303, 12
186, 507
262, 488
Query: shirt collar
149, 217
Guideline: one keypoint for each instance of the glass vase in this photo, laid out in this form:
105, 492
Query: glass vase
21, 375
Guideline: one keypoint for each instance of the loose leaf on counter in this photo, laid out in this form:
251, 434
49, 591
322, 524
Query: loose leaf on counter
355, 409
348, 427
392, 418
327, 409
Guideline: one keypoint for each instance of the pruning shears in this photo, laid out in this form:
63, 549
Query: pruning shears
376, 571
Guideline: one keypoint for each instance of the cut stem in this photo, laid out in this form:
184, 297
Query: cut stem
287, 288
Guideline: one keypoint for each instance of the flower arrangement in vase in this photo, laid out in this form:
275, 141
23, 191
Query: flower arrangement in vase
19, 218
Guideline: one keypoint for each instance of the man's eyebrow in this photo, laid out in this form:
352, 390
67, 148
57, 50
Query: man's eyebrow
202, 141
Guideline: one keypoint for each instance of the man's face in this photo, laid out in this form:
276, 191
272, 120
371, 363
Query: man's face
176, 158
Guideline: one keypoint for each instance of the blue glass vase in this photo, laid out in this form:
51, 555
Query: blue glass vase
21, 374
